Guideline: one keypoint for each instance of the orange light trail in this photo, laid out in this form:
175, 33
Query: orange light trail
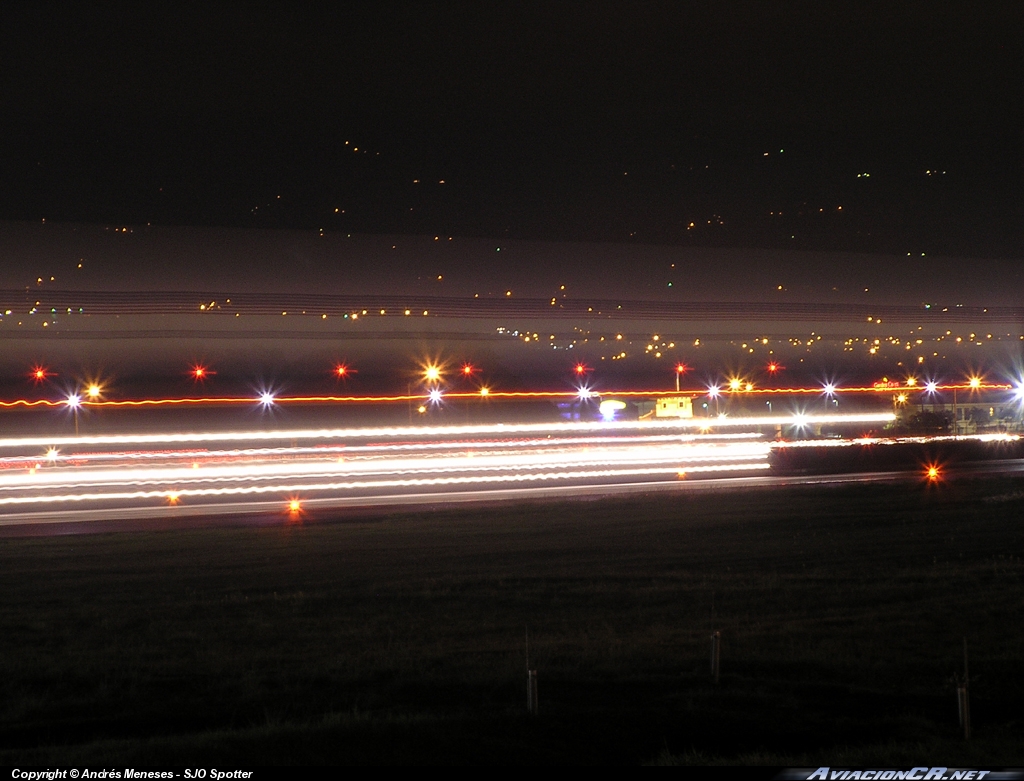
250, 400
166, 402
33, 403
491, 394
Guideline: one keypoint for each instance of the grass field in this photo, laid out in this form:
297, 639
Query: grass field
400, 638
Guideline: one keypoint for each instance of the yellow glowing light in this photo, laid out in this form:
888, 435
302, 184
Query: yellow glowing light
975, 382
735, 384
93, 391
432, 373
294, 506
484, 391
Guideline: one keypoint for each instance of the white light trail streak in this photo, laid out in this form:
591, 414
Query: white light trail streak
691, 454
355, 450
442, 432
110, 478
149, 468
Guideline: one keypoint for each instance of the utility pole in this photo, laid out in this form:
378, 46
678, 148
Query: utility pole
954, 413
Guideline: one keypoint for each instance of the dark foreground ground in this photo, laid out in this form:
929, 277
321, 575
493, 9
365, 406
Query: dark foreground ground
401, 639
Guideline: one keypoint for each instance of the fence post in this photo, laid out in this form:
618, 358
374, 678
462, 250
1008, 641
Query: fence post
716, 650
964, 705
963, 697
531, 692
531, 680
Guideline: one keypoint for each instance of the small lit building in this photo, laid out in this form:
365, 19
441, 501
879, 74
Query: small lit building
674, 407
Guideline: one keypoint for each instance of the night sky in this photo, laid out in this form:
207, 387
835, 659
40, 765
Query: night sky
869, 128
